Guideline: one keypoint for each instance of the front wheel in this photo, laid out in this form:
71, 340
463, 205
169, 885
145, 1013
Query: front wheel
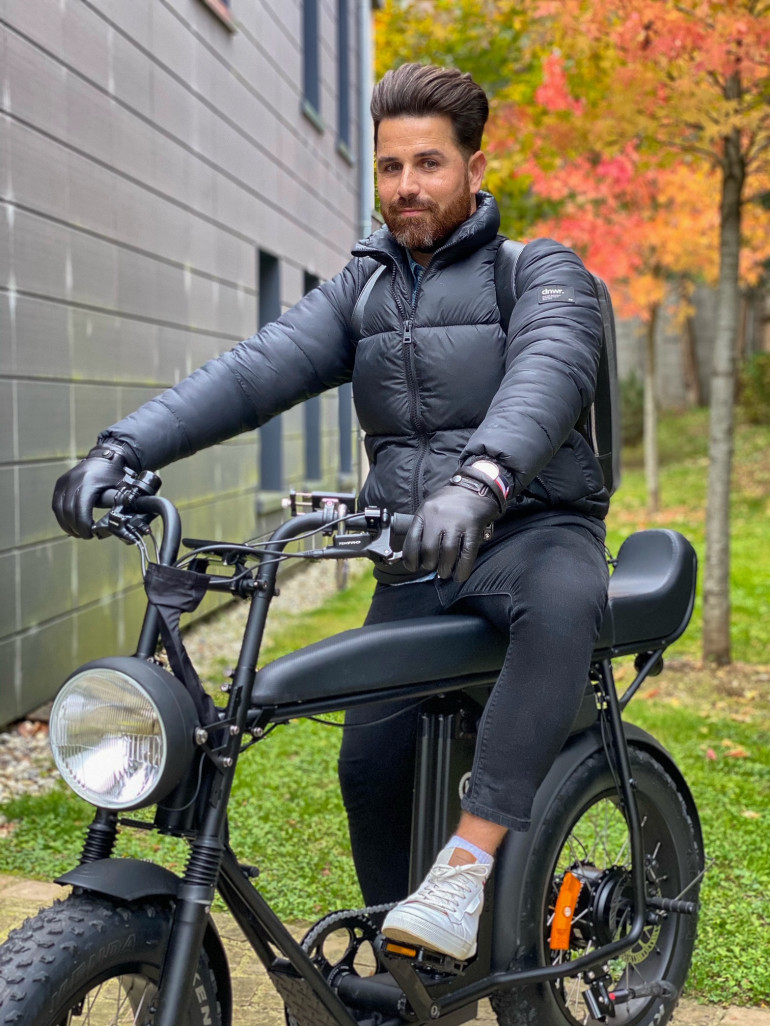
89, 961
579, 896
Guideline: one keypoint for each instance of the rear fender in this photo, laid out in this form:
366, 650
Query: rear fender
131, 880
513, 861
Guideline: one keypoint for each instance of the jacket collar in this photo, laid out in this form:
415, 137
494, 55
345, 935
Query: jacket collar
480, 228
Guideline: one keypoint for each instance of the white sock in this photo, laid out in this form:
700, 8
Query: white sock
479, 854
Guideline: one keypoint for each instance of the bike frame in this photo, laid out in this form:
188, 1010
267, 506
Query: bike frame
213, 865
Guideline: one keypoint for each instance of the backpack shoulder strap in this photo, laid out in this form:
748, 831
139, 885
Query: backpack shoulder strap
505, 278
357, 317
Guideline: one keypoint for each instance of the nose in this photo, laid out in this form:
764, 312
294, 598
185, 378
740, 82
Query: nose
408, 185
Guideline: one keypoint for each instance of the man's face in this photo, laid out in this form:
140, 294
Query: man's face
427, 187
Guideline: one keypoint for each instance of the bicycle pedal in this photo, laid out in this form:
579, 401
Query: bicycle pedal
423, 958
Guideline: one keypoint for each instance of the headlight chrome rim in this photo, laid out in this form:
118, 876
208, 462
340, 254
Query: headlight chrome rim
122, 732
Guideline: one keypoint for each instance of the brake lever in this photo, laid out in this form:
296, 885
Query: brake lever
118, 523
382, 548
122, 523
352, 543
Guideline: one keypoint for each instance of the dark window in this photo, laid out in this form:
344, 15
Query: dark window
271, 434
343, 74
311, 68
312, 410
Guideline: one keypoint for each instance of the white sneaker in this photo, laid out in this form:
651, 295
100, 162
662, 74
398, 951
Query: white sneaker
443, 913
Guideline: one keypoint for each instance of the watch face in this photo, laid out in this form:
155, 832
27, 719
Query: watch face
487, 467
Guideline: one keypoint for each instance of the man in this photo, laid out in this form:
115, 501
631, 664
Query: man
466, 426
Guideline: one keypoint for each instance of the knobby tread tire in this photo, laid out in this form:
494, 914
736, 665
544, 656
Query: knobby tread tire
53, 959
538, 1005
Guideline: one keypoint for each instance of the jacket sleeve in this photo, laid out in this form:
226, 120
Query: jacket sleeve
306, 351
554, 341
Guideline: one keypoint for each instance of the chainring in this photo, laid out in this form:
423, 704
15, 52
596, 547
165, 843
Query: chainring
361, 929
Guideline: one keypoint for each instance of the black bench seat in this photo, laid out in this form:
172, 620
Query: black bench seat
651, 596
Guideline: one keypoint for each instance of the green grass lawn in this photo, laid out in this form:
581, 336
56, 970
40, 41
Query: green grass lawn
716, 722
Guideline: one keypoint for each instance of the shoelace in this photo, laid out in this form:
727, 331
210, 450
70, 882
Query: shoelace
446, 886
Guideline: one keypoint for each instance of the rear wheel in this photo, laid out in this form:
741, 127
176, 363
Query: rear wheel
90, 962
579, 897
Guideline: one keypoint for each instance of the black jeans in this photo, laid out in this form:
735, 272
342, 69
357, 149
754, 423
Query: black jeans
546, 586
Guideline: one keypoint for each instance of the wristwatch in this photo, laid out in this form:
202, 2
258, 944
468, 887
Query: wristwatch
491, 470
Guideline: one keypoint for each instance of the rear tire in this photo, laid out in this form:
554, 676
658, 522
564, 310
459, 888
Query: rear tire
93, 962
585, 832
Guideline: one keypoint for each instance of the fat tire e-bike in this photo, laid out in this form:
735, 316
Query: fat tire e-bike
590, 915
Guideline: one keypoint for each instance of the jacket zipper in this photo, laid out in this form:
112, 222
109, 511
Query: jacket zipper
413, 392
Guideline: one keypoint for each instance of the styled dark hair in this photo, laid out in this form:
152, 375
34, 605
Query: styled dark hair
426, 90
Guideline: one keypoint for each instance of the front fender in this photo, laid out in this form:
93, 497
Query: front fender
130, 880
124, 879
512, 863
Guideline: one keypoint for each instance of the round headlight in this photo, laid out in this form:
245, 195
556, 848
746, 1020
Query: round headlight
122, 732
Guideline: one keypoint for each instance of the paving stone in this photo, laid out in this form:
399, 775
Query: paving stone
255, 1001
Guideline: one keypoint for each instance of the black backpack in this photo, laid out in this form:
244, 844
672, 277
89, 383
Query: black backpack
602, 424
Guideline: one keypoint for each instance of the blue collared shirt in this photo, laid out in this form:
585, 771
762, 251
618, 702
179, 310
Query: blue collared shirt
417, 272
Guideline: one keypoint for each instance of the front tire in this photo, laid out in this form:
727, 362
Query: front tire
584, 833
91, 961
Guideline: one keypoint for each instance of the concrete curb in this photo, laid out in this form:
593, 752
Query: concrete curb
255, 1001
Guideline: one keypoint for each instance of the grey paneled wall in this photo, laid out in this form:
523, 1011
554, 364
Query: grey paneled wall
147, 152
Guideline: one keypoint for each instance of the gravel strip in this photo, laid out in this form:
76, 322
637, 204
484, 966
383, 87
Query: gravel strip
26, 766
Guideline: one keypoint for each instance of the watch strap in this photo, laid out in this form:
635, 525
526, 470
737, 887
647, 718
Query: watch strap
479, 482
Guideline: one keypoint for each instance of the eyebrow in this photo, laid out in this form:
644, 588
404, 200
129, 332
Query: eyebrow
422, 153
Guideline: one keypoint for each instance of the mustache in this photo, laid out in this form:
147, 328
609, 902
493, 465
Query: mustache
402, 204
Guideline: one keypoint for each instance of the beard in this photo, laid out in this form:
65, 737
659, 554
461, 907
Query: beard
431, 228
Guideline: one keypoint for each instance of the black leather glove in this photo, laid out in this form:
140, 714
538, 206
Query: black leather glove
79, 490
451, 524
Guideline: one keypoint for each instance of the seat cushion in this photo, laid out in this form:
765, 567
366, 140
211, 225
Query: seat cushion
650, 601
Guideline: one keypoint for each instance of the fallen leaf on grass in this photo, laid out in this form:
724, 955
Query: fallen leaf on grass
29, 728
737, 753
711, 754
652, 693
749, 814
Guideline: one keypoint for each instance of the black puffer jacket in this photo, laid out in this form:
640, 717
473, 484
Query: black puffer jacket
435, 384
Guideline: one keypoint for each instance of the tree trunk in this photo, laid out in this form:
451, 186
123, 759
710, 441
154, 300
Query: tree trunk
716, 577
651, 474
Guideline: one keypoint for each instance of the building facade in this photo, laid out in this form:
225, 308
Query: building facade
173, 174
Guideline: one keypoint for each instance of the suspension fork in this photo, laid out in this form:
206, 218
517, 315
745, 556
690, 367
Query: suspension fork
198, 887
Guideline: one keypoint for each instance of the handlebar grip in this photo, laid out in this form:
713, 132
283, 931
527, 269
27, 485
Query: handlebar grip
106, 499
401, 522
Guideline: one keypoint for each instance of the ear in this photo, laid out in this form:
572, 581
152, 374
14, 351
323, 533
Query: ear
477, 165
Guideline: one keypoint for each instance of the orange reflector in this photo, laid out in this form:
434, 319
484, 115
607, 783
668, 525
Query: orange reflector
561, 927
397, 949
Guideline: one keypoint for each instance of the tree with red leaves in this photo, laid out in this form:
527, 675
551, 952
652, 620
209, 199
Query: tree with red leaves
644, 93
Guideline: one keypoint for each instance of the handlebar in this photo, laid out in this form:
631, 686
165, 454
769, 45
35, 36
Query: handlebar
132, 507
